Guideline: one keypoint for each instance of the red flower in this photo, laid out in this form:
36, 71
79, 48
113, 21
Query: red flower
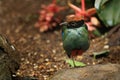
86, 15
46, 19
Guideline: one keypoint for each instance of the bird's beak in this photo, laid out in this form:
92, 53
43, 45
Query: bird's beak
63, 24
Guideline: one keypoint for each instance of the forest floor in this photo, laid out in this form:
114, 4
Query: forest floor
42, 54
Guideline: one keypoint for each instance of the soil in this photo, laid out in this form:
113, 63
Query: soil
42, 54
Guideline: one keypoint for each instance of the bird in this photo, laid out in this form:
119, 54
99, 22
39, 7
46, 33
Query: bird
75, 38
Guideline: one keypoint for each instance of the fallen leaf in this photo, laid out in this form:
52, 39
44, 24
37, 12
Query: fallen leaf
77, 64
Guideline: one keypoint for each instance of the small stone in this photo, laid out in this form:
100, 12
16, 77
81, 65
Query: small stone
18, 73
29, 54
35, 53
55, 66
36, 37
35, 66
27, 62
94, 63
54, 51
61, 44
88, 63
45, 77
48, 63
106, 41
46, 59
22, 59
106, 47
47, 41
93, 40
51, 70
41, 55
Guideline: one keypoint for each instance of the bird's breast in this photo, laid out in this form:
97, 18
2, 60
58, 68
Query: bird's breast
76, 52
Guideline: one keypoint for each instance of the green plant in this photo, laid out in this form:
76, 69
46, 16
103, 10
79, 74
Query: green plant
108, 11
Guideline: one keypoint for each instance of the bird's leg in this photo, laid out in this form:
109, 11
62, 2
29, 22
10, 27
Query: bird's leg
74, 53
73, 61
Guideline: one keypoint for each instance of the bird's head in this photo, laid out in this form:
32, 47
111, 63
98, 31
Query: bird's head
75, 24
72, 24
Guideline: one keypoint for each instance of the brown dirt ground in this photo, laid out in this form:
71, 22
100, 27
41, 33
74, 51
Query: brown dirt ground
41, 53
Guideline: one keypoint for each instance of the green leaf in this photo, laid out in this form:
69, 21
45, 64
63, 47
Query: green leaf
108, 11
77, 64
101, 53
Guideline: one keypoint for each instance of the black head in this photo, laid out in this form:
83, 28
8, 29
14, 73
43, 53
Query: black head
75, 24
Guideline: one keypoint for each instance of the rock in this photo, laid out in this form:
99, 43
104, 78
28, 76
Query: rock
96, 72
114, 36
5, 73
9, 59
24, 78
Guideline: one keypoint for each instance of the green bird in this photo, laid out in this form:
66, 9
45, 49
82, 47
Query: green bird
75, 37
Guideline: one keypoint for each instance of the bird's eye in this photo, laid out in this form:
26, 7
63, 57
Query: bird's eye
73, 24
